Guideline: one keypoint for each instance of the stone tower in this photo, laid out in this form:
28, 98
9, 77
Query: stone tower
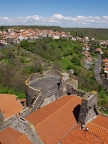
88, 107
44, 89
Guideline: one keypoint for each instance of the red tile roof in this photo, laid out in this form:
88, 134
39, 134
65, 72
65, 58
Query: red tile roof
99, 49
87, 52
11, 136
101, 121
47, 110
9, 105
106, 65
98, 130
105, 60
80, 136
88, 58
99, 127
53, 121
105, 69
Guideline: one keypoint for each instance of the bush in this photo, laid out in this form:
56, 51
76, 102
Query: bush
1, 56
76, 61
22, 60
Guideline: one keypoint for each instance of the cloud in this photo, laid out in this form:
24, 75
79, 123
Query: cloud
57, 20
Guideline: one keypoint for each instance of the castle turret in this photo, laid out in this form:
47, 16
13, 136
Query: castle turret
88, 107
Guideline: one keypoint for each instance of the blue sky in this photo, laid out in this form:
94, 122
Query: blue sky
64, 13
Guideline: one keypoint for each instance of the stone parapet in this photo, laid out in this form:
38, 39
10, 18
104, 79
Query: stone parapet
71, 90
52, 73
34, 76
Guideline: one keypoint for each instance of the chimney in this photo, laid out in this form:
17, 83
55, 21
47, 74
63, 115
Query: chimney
88, 107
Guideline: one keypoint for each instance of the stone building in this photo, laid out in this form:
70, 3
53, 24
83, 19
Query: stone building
42, 90
66, 114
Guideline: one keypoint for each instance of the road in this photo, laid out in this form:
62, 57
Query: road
97, 70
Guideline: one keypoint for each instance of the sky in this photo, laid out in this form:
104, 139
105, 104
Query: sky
63, 13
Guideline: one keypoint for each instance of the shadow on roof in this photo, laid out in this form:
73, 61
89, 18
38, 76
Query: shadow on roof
76, 112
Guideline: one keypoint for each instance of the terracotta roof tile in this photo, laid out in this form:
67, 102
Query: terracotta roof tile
101, 121
98, 130
87, 52
47, 110
11, 136
88, 58
105, 60
9, 105
53, 121
80, 136
105, 69
106, 65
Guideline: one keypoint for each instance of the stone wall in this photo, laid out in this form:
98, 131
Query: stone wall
26, 111
74, 83
20, 124
49, 100
71, 90
7, 122
34, 76
27, 128
31, 94
38, 102
52, 73
88, 108
1, 119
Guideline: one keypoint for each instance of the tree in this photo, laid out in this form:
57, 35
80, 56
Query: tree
37, 66
1, 55
9, 54
2, 28
56, 66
